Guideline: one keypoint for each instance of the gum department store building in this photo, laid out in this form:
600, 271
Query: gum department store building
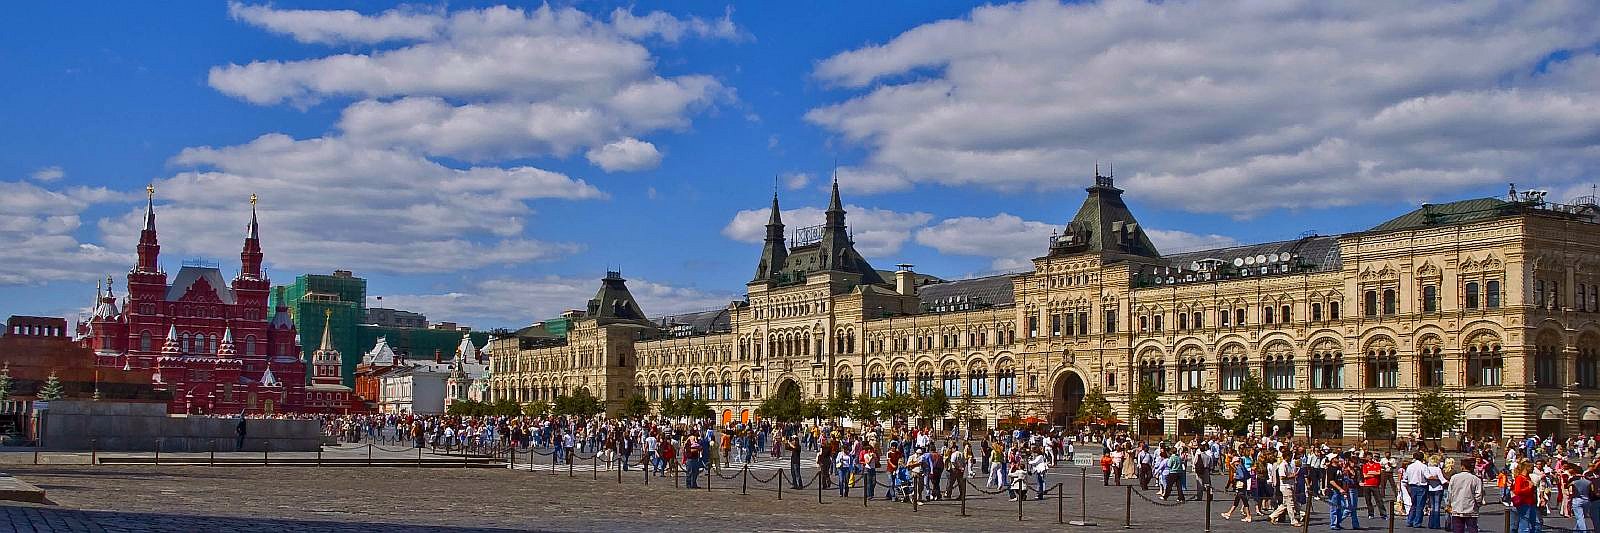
1495, 301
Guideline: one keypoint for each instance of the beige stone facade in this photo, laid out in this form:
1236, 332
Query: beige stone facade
1496, 301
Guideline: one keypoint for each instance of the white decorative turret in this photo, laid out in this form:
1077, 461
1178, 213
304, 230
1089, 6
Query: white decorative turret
269, 380
326, 363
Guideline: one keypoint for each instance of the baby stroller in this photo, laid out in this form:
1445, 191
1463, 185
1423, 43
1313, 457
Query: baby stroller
900, 486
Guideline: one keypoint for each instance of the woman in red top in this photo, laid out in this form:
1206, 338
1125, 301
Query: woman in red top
1524, 500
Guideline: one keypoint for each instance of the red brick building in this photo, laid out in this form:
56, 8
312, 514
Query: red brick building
212, 344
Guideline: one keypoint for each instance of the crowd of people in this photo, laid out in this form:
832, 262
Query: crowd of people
1264, 478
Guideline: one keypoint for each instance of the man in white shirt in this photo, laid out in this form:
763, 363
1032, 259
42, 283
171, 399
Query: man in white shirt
1415, 479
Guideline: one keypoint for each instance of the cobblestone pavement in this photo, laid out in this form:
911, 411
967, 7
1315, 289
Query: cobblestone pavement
278, 499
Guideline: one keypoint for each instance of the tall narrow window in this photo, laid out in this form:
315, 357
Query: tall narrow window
1430, 298
1111, 321
1430, 367
1007, 380
1333, 310
1266, 314
1183, 321
1199, 320
1238, 317
144, 341
1472, 295
1316, 312
1158, 322
1285, 314
1491, 296
1369, 301
1391, 302
978, 382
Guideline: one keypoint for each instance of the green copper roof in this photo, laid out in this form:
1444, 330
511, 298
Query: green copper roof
1447, 213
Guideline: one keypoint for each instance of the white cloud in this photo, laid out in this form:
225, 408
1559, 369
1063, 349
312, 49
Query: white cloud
795, 180
326, 203
50, 173
484, 84
341, 26
1234, 107
671, 29
878, 232
1008, 239
511, 302
626, 155
1175, 241
871, 180
37, 232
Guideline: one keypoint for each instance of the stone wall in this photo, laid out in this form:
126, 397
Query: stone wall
131, 426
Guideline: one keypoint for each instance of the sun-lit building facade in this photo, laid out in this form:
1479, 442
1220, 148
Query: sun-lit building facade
1495, 302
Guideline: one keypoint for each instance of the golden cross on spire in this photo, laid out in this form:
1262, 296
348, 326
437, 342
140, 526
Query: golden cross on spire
252, 198
150, 190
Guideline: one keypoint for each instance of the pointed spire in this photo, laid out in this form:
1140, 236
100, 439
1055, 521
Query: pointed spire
267, 379
327, 330
150, 207
253, 232
171, 348
833, 201
225, 348
776, 219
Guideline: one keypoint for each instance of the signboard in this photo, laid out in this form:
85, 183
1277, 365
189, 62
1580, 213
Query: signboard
40, 405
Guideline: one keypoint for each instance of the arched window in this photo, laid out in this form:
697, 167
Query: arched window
1191, 370
1430, 364
1485, 361
875, 383
952, 381
1234, 367
1547, 361
978, 380
902, 381
1153, 372
1006, 382
1278, 366
1327, 366
1588, 363
925, 379
1383, 365
144, 341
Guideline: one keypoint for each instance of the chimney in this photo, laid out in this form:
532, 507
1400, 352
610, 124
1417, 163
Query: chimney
905, 280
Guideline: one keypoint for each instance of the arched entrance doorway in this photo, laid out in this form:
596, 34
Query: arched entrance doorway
1065, 399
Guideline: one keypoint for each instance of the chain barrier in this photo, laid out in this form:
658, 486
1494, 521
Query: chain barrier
1141, 496
719, 474
769, 478
985, 491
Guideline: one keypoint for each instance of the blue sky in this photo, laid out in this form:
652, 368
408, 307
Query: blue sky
486, 164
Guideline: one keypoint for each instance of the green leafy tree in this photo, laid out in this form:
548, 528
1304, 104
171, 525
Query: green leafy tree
465, 408
1373, 424
5, 382
697, 408
506, 407
864, 409
1095, 407
963, 409
585, 404
933, 404
637, 406
1307, 413
813, 409
1256, 403
52, 388
668, 407
1205, 408
1146, 404
1437, 413
840, 405
536, 408
896, 406
783, 407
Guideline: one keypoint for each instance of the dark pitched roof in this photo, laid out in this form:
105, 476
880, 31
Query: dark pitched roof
1318, 252
967, 294
1103, 224
1447, 213
699, 323
187, 276
613, 303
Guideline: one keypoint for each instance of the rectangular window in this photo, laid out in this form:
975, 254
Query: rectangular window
1430, 299
1280, 376
978, 383
1383, 373
952, 384
1007, 384
1199, 320
1233, 377
1266, 314
1055, 325
1316, 312
1238, 317
1158, 322
1224, 318
1183, 321
1333, 310
1472, 295
1111, 321
1071, 327
1369, 303
1033, 326
1491, 294
1391, 302
1083, 323
1327, 374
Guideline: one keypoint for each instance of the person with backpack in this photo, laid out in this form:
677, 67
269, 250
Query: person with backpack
1241, 490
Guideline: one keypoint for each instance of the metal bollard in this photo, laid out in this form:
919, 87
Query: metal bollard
1060, 519
708, 479
1305, 525
1083, 500
916, 493
419, 457
94, 455
744, 488
964, 499
552, 463
266, 450
1127, 509
780, 484
594, 462
1507, 515
819, 486
158, 451
1020, 499
213, 460
1208, 511
35, 456
319, 455
369, 454
513, 464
